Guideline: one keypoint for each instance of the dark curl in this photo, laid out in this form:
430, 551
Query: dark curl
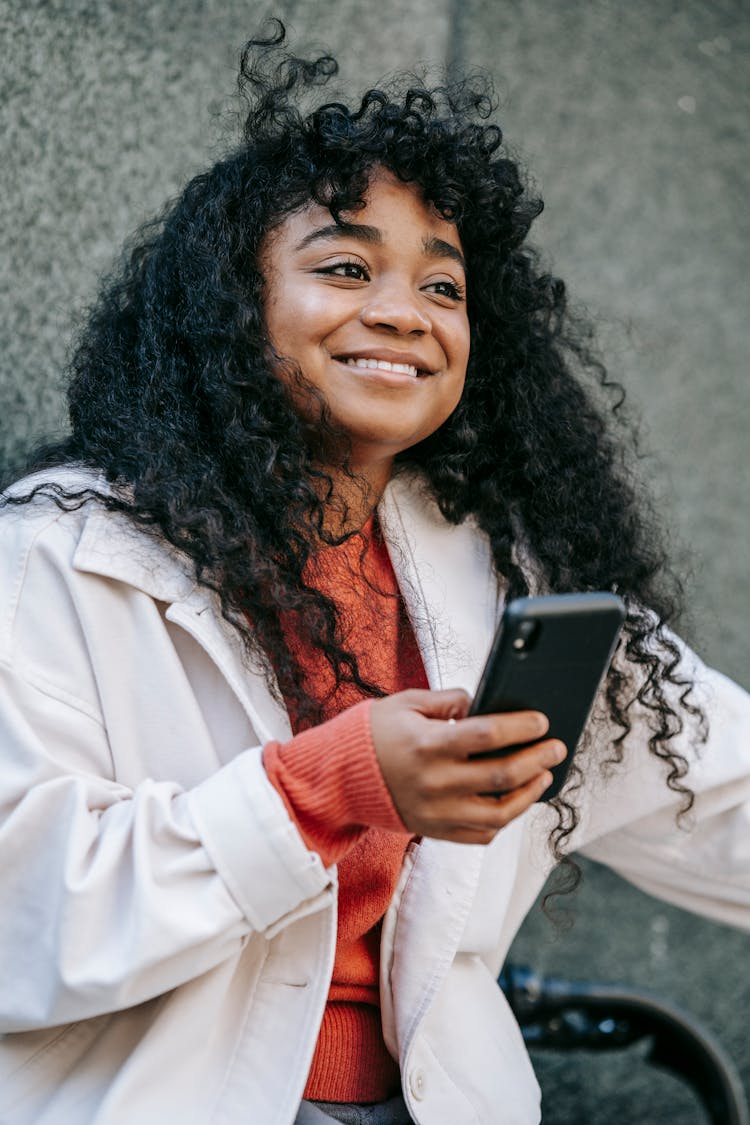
173, 396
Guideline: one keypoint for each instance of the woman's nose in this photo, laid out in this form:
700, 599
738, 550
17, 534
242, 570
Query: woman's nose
397, 310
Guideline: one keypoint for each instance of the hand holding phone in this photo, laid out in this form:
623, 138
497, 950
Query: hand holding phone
550, 654
424, 742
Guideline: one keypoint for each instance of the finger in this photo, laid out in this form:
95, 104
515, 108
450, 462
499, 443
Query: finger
481, 733
477, 820
501, 775
450, 703
467, 835
494, 813
490, 776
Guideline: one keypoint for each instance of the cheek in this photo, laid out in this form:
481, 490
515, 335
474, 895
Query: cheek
460, 347
459, 390
296, 316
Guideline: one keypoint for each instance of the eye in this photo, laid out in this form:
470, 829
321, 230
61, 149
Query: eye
351, 270
449, 289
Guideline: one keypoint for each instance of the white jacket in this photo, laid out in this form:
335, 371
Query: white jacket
167, 940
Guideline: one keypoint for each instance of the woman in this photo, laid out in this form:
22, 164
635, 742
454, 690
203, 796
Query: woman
326, 421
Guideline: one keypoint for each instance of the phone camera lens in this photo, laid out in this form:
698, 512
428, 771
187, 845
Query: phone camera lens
525, 636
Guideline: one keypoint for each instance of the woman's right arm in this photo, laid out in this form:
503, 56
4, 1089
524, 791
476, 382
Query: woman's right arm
133, 860
112, 895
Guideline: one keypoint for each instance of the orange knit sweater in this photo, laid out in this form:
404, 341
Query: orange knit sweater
331, 783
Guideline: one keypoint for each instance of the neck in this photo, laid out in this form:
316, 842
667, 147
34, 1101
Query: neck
356, 494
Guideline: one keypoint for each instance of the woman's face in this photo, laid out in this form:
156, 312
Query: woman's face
374, 313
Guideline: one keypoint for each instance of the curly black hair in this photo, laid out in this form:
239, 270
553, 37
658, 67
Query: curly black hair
173, 395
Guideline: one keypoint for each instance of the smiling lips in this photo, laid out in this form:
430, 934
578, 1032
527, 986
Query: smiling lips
368, 363
383, 365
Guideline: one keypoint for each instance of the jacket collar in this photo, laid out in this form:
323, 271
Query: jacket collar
108, 543
111, 546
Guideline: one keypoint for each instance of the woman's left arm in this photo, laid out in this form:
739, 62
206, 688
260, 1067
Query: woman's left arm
630, 820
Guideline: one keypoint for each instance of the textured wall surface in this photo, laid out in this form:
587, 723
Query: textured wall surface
633, 119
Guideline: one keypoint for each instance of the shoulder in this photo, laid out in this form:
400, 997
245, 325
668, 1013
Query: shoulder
58, 540
52, 502
35, 522
44, 516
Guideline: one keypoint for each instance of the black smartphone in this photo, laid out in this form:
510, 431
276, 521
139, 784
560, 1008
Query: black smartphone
550, 654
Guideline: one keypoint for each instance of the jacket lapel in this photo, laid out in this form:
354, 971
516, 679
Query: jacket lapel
446, 577
447, 580
269, 718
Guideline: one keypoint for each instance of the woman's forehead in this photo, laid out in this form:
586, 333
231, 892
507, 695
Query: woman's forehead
388, 205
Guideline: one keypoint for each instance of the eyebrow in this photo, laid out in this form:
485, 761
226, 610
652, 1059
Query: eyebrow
432, 247
439, 248
342, 230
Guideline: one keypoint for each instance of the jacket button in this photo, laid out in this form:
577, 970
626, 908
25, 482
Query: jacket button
416, 1083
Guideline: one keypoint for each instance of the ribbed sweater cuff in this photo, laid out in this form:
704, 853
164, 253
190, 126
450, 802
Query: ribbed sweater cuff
331, 784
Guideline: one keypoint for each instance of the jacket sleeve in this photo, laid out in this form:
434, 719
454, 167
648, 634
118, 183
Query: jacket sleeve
701, 860
330, 782
112, 895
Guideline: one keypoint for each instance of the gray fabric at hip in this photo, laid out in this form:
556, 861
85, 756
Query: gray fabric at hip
392, 1112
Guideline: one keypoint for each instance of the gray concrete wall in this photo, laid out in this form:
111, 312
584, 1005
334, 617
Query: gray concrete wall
633, 118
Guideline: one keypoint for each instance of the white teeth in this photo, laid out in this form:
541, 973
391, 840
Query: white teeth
383, 365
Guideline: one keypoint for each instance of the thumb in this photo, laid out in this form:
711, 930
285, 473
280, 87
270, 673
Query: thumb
452, 703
